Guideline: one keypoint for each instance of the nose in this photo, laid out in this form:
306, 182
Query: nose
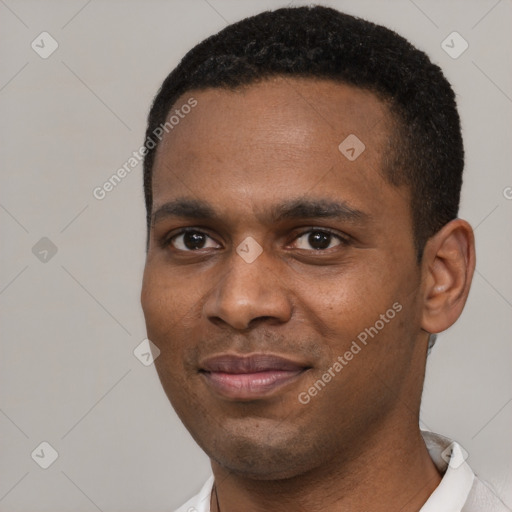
248, 293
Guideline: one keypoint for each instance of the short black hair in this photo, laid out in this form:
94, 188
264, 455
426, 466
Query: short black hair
317, 42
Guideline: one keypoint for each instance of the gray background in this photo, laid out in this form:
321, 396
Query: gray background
68, 375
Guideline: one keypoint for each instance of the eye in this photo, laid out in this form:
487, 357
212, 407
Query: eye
192, 240
318, 240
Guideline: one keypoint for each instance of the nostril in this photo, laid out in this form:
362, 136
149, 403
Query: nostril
263, 319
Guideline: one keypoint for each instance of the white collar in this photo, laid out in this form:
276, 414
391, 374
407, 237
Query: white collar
450, 458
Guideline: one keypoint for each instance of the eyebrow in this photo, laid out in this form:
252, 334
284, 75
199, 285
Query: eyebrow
317, 208
182, 207
294, 209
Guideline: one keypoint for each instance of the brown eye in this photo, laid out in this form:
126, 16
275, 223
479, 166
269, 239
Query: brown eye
192, 241
317, 240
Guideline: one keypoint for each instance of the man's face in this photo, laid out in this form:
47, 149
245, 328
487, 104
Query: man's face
293, 251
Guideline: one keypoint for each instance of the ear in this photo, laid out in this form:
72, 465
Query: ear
448, 264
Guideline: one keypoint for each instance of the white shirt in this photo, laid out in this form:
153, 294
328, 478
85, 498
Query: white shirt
459, 491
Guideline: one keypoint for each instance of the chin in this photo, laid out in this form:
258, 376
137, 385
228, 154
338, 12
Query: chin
262, 453
261, 463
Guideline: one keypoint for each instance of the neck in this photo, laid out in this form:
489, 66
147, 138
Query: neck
391, 471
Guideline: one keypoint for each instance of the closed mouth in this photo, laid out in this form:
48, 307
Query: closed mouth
250, 377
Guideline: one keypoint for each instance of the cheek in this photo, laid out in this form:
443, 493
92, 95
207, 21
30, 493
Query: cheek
164, 307
162, 313
171, 308
153, 301
343, 304
164, 299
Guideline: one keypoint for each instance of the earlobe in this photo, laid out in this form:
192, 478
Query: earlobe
448, 266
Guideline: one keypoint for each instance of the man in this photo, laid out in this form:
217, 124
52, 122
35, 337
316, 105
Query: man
302, 181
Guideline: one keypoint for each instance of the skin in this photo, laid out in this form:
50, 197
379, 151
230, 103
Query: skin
356, 445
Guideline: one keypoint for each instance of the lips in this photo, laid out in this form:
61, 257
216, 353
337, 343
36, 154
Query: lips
249, 377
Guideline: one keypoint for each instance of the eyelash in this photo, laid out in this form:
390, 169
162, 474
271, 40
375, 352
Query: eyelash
344, 241
167, 241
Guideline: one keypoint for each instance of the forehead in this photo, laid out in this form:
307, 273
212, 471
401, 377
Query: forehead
276, 137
